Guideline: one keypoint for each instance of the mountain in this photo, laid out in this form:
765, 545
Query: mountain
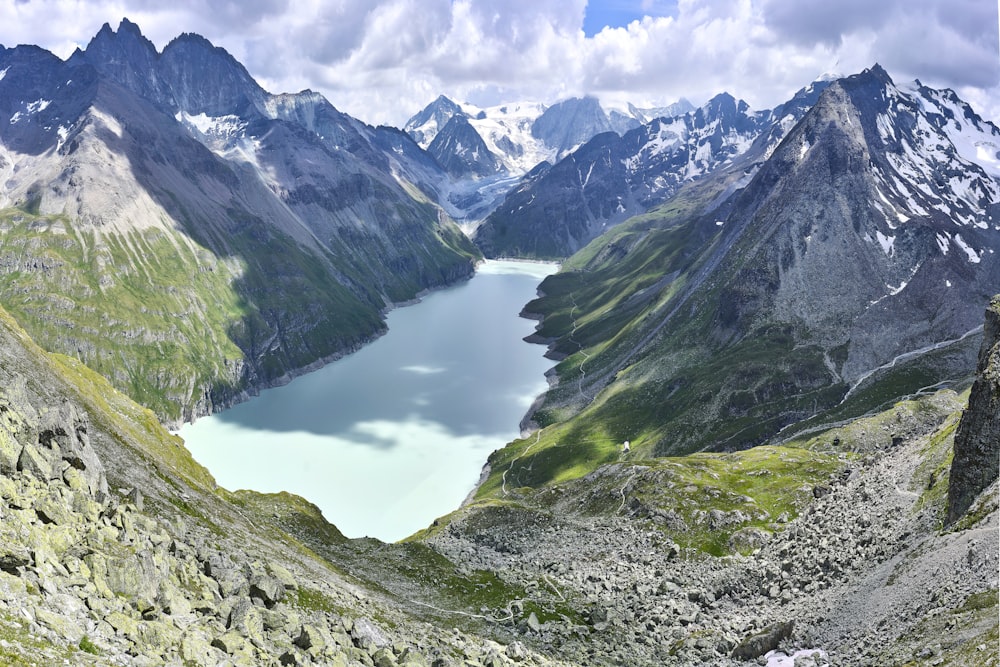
822, 300
553, 214
517, 138
645, 115
847, 269
460, 150
426, 123
192, 236
567, 124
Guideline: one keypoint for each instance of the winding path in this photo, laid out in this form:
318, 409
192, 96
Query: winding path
503, 478
909, 355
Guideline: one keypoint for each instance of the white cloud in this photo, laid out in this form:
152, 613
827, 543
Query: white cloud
383, 60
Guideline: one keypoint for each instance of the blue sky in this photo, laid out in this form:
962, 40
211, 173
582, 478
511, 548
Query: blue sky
384, 60
619, 13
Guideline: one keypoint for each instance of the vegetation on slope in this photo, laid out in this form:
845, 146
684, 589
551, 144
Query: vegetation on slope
177, 327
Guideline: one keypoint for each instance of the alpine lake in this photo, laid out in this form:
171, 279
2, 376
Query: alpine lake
391, 437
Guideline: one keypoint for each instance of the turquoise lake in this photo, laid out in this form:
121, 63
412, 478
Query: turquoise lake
389, 438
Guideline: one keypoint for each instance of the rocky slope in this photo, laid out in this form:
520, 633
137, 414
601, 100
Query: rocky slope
192, 236
117, 548
829, 545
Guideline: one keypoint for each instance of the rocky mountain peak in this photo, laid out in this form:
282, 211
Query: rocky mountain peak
568, 124
461, 151
426, 124
125, 56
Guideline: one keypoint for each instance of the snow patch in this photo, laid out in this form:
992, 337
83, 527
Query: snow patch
62, 132
38, 105
886, 242
943, 241
213, 126
947, 283
974, 257
781, 659
3, 72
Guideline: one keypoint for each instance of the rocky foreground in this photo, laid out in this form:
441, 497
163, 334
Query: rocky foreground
864, 573
117, 549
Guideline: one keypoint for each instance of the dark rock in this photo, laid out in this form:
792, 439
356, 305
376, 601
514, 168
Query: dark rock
13, 557
821, 490
977, 441
268, 590
759, 644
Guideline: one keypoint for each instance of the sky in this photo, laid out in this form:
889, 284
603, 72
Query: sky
384, 60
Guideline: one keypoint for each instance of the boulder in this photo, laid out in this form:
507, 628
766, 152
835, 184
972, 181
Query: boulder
268, 590
759, 644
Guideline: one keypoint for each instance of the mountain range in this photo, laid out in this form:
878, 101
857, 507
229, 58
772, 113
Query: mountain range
140, 191
845, 270
484, 151
780, 312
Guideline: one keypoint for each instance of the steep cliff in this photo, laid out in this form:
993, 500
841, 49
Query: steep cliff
976, 464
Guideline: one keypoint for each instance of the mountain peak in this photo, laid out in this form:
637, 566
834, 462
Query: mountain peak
127, 33
426, 123
876, 71
127, 26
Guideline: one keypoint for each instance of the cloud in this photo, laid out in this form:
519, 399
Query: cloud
382, 60
424, 370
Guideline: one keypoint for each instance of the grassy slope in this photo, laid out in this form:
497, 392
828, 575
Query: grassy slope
174, 325
694, 383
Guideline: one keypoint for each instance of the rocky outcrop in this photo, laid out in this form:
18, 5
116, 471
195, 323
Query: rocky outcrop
977, 442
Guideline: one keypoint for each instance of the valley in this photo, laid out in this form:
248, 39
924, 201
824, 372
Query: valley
790, 315
395, 435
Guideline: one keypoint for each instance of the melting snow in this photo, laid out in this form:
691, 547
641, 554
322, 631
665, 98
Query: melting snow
3, 72
942, 241
974, 257
219, 126
38, 105
804, 149
886, 242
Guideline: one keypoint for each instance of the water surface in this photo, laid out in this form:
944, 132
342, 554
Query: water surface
396, 434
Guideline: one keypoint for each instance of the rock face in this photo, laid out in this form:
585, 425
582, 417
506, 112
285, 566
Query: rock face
460, 150
977, 442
